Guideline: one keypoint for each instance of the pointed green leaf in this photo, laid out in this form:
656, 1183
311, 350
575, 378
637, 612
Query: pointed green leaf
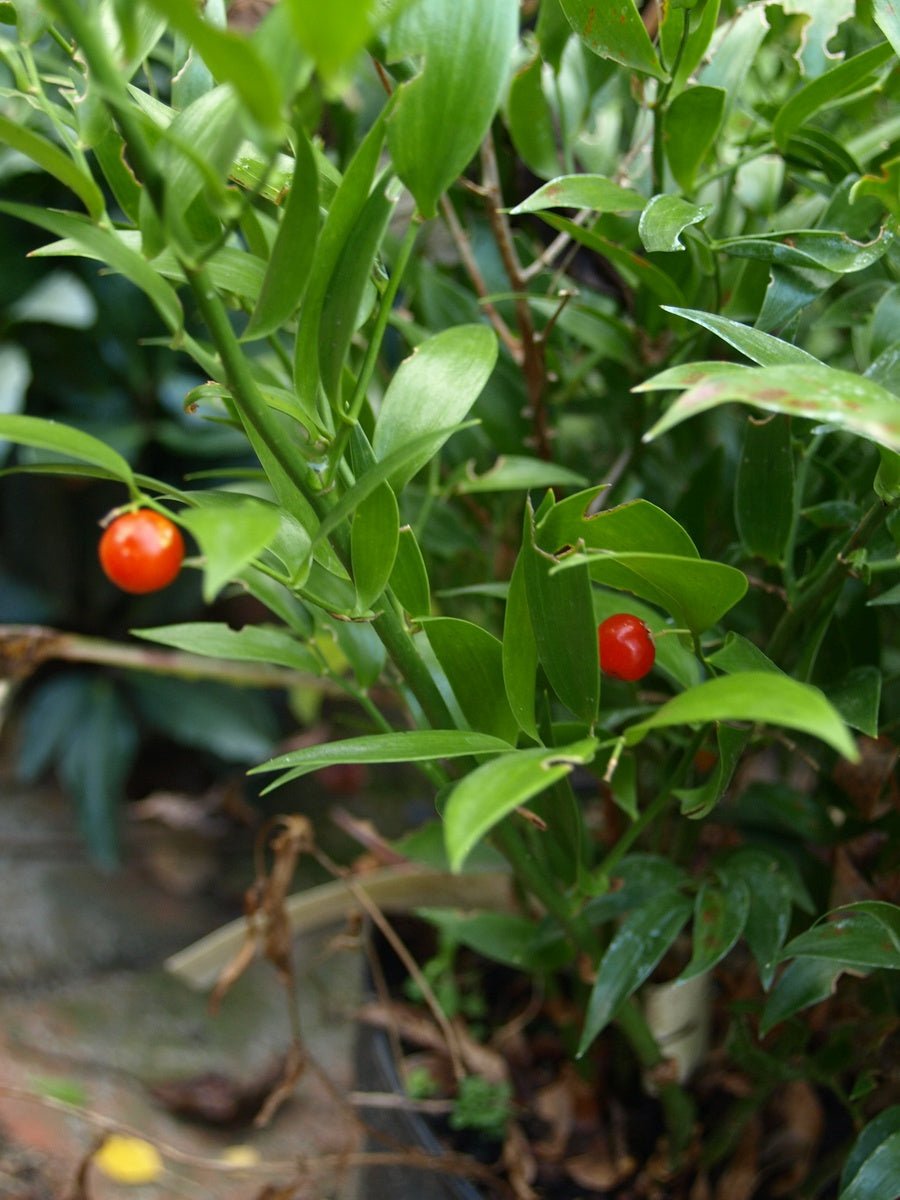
691, 123
464, 47
582, 191
417, 746
62, 439
520, 653
858, 698
497, 788
698, 802
620, 529
761, 348
818, 93
562, 619
770, 906
409, 578
252, 643
530, 120
472, 661
432, 389
879, 1168
230, 535
512, 472
291, 258
615, 31
55, 162
520, 942
346, 205
231, 58
641, 941
665, 219
695, 591
764, 493
804, 982
758, 696
373, 544
818, 393
111, 249
860, 936
346, 288
720, 914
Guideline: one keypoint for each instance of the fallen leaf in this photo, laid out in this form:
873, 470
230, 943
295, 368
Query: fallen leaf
128, 1160
599, 1169
216, 1099
740, 1178
801, 1123
518, 1160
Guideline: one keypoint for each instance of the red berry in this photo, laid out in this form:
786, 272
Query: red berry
626, 647
141, 551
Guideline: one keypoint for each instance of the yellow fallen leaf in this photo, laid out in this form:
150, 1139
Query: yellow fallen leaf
129, 1160
240, 1156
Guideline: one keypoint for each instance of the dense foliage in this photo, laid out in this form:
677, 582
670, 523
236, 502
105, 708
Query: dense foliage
495, 320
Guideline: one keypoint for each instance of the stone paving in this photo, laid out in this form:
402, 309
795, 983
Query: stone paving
87, 1013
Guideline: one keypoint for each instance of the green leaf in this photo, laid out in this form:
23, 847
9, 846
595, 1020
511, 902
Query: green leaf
416, 746
764, 493
55, 162
878, 1167
110, 248
690, 124
346, 206
347, 287
861, 936
520, 652
62, 439
409, 577
374, 535
582, 191
664, 220
695, 591
806, 981
858, 698
464, 47
291, 258
888, 21
496, 788
252, 643
761, 348
530, 120
432, 389
472, 661
615, 31
698, 802
740, 654
770, 906
517, 941
641, 941
332, 35
818, 393
822, 249
758, 696
887, 479
634, 523
231, 58
720, 914
511, 473
562, 619
230, 535
826, 89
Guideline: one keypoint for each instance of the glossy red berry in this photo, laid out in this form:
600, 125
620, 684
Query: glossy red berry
626, 647
141, 551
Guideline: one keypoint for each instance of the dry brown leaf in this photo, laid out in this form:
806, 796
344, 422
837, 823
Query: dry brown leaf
872, 783
478, 1058
518, 1160
598, 1168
